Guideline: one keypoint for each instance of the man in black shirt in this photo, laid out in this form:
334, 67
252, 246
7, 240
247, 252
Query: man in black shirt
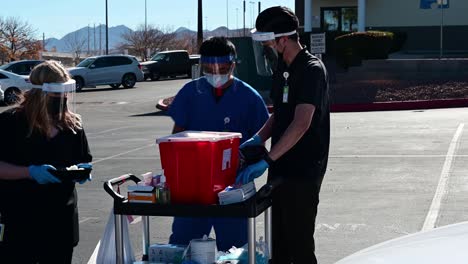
300, 132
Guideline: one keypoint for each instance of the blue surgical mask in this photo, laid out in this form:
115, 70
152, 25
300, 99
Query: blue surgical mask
217, 80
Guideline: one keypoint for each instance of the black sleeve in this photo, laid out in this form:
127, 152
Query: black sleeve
6, 131
84, 154
312, 86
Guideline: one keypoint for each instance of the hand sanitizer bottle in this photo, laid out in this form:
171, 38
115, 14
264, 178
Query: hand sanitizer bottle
162, 191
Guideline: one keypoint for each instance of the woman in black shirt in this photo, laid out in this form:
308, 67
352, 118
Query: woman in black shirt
38, 210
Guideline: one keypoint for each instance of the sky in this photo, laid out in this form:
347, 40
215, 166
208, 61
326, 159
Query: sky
56, 18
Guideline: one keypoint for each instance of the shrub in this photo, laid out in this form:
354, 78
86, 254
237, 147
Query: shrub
352, 48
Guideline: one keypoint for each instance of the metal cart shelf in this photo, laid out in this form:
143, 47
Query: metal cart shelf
250, 209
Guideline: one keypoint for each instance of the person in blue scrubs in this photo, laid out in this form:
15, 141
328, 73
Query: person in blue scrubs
218, 101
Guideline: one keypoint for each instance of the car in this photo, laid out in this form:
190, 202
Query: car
113, 70
1, 94
13, 84
22, 67
169, 64
445, 244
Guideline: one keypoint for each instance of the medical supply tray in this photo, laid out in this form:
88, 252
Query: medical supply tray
250, 209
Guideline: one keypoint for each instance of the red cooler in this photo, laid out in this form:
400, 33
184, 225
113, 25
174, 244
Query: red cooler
199, 164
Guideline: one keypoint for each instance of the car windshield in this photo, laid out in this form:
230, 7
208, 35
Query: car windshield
158, 57
86, 62
3, 67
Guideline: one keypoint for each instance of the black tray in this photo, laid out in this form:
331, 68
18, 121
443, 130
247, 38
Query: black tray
252, 207
76, 175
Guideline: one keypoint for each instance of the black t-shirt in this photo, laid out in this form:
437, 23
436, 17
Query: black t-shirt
25, 202
308, 84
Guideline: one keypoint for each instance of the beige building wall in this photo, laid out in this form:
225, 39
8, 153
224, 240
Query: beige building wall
399, 13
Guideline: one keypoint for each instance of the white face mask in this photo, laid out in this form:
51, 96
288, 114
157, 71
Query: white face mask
217, 80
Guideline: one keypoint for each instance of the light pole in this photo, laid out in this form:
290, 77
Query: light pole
237, 18
227, 18
107, 32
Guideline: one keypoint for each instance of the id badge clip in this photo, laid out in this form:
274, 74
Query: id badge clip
285, 87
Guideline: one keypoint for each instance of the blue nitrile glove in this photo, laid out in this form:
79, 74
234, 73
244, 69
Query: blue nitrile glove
253, 141
85, 166
41, 174
251, 172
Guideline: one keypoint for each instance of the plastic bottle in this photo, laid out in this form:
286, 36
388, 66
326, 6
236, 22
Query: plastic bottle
163, 194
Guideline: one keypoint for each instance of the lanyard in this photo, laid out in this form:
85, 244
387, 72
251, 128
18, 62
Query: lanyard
285, 87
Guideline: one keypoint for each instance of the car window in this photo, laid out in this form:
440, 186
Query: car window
3, 76
179, 57
86, 62
158, 57
102, 62
116, 61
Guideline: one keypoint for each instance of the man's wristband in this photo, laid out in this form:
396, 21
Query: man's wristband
268, 160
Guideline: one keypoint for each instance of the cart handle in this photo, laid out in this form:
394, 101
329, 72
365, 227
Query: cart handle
108, 186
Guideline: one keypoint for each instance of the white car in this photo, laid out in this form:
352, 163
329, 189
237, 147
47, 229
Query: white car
1, 94
13, 84
441, 245
114, 70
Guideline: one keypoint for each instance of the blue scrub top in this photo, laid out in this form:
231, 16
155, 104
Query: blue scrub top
240, 109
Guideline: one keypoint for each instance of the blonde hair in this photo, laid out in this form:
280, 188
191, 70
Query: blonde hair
34, 102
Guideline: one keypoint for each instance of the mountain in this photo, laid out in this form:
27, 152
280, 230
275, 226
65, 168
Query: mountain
115, 37
96, 35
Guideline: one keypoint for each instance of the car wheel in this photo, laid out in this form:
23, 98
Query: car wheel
11, 95
115, 85
128, 80
155, 76
79, 84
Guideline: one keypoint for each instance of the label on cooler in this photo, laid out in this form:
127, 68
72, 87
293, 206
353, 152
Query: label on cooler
227, 153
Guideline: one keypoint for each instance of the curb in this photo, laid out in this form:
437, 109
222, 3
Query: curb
378, 106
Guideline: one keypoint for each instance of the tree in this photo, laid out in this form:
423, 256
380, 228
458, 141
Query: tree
75, 43
17, 38
153, 39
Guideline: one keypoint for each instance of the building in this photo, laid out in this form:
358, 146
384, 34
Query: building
419, 20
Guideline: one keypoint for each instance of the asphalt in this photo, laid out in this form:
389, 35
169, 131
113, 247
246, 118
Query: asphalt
384, 169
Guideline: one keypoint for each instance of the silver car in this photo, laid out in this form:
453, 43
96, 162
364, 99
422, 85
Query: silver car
113, 70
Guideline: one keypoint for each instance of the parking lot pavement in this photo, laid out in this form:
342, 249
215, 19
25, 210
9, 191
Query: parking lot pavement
384, 169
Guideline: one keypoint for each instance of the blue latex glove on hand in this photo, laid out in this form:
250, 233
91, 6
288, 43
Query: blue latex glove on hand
41, 174
85, 166
251, 172
253, 141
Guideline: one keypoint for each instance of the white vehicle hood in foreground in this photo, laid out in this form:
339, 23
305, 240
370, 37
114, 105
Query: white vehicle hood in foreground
446, 244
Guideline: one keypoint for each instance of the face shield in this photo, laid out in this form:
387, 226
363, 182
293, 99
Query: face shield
60, 97
217, 70
266, 56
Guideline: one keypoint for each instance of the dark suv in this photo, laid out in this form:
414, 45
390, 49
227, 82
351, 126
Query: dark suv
22, 67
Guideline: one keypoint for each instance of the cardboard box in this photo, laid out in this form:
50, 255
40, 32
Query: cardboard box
142, 196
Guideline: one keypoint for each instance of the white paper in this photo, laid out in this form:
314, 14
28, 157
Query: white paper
227, 153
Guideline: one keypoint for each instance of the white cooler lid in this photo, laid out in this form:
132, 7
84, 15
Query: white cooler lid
189, 136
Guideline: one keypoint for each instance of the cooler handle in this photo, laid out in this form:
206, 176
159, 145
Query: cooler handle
108, 186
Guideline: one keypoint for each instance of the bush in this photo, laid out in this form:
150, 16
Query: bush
352, 48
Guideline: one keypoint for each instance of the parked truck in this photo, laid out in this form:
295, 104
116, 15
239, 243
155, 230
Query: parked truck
169, 64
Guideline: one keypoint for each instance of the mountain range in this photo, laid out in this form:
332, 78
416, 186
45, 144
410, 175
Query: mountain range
97, 37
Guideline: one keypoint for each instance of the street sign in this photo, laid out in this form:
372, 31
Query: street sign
317, 43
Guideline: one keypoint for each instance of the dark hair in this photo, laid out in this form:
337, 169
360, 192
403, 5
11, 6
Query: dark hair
217, 47
277, 19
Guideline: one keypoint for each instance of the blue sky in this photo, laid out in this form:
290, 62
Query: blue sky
56, 18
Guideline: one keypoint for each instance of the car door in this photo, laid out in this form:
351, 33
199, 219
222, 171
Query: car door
98, 71
5, 82
120, 66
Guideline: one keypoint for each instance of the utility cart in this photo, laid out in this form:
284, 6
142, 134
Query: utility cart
250, 209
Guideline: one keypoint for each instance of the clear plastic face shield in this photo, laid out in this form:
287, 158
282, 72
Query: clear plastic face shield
266, 56
217, 70
60, 97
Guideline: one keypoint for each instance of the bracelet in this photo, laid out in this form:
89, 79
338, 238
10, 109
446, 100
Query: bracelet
268, 160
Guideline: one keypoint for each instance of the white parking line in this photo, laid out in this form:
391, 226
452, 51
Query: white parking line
107, 131
123, 153
92, 259
433, 213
